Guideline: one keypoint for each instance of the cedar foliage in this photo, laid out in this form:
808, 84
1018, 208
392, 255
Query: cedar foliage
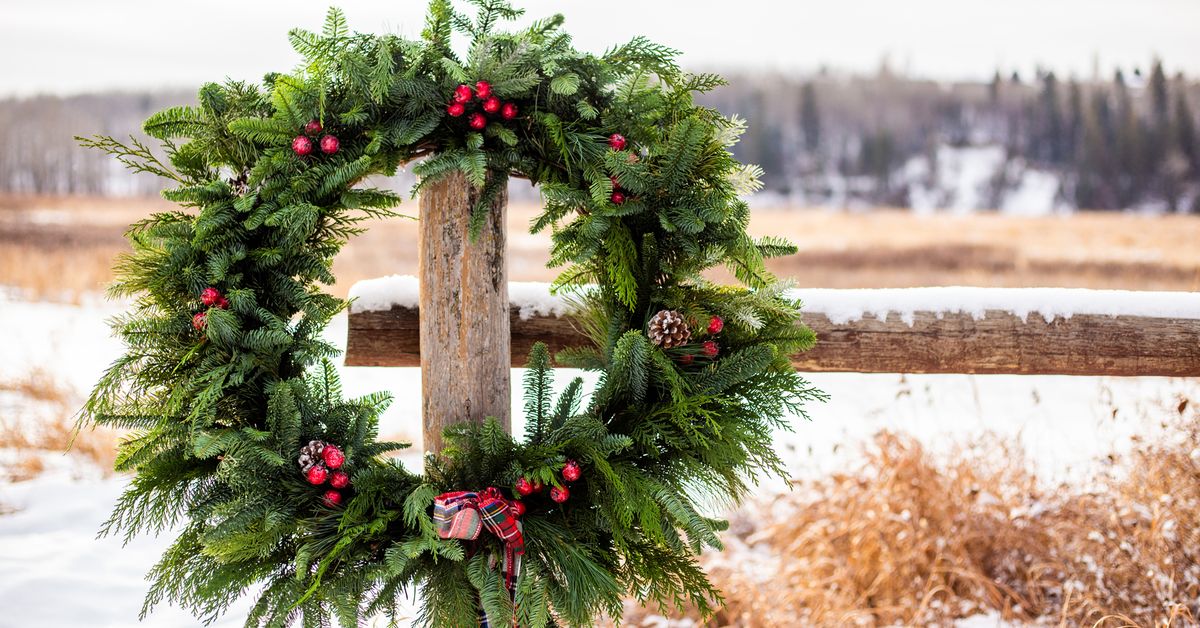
219, 415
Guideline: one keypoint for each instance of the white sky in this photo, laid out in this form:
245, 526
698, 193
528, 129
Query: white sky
82, 45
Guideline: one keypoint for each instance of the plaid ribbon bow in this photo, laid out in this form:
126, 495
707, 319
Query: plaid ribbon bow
461, 514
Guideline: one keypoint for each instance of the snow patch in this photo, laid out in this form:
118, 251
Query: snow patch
534, 298
384, 293
843, 306
373, 295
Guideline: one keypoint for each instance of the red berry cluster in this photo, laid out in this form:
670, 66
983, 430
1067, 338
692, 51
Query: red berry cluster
715, 325
303, 144
210, 297
488, 104
332, 458
616, 141
571, 472
710, 348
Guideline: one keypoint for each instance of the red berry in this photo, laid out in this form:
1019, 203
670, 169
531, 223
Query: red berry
715, 325
686, 359
223, 303
616, 141
508, 111
317, 475
524, 487
199, 321
491, 105
333, 457
210, 296
462, 93
616, 184
517, 508
313, 127
339, 479
477, 121
617, 198
302, 146
571, 471
455, 109
538, 486
483, 89
711, 349
329, 144
332, 498
559, 494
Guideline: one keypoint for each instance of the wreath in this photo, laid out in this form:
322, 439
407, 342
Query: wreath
240, 438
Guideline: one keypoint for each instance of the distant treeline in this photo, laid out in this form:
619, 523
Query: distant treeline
1120, 142
39, 155
1128, 141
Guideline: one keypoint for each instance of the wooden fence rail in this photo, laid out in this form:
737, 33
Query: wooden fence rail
997, 341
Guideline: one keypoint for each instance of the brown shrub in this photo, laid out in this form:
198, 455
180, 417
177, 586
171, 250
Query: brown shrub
37, 421
910, 540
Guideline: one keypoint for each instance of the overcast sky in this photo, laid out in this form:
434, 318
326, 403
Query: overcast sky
81, 45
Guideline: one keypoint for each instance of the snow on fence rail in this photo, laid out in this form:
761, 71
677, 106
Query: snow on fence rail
905, 330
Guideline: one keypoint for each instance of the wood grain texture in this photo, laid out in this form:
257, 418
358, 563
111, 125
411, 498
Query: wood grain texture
952, 343
462, 327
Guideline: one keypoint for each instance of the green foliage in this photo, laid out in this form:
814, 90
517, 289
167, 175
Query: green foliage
217, 416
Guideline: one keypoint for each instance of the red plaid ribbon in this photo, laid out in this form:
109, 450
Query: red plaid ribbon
496, 515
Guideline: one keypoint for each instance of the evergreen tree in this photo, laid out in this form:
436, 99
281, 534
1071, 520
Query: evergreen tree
810, 118
1185, 132
1051, 140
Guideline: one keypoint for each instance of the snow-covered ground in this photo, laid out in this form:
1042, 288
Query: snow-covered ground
54, 572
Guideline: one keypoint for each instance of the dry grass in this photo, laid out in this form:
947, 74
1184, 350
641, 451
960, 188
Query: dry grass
37, 422
908, 539
61, 247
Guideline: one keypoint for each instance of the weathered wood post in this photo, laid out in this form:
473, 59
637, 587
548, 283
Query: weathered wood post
464, 319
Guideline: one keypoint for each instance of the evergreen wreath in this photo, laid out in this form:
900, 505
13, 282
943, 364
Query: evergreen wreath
240, 436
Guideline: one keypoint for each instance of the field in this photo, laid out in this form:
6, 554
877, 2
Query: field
60, 248
915, 500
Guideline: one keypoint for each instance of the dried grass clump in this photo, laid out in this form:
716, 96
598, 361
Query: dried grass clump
910, 540
37, 422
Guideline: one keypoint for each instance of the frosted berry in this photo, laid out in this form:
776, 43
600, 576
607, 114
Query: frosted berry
313, 127
462, 93
332, 498
571, 471
715, 325
491, 105
317, 475
339, 479
210, 296
329, 144
483, 89
199, 321
223, 303
616, 184
333, 457
517, 508
617, 198
560, 494
455, 109
711, 349
616, 141
686, 359
302, 146
508, 111
477, 121
524, 487
538, 486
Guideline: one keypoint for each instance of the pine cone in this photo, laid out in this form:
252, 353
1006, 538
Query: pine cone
310, 455
669, 329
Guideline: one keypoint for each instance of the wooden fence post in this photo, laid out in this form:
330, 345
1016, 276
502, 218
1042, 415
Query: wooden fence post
464, 325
